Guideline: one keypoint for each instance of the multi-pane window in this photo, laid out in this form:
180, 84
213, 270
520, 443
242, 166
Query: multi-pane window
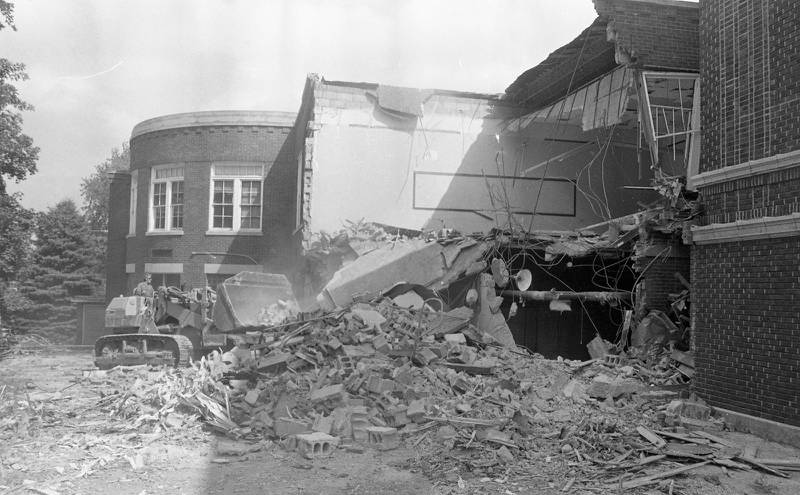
251, 204
236, 192
177, 204
160, 206
166, 199
223, 204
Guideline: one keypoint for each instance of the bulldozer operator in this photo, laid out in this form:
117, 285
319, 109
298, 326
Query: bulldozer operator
145, 287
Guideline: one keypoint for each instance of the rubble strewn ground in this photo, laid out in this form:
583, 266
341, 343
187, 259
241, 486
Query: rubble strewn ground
371, 399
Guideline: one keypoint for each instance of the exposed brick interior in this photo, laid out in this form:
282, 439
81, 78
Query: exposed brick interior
659, 281
745, 312
197, 148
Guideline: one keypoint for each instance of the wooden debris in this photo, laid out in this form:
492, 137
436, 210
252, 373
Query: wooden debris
646, 480
761, 466
651, 437
716, 439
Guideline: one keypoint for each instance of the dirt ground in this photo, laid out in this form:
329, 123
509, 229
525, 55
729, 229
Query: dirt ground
55, 440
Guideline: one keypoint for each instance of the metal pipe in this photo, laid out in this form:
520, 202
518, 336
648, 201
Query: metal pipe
554, 295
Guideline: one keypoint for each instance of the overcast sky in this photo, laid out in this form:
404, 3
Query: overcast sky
98, 67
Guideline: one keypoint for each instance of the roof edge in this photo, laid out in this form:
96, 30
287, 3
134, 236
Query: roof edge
443, 92
215, 118
670, 3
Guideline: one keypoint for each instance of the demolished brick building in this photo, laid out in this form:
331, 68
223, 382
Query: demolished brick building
587, 173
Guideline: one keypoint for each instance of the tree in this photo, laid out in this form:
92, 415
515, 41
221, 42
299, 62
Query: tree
94, 188
7, 15
18, 155
65, 264
16, 227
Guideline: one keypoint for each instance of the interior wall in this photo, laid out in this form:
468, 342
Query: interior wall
456, 167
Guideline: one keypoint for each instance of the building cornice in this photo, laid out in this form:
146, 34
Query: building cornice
215, 118
746, 169
746, 230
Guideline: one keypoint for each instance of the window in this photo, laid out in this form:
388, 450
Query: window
223, 204
166, 199
236, 192
132, 210
166, 280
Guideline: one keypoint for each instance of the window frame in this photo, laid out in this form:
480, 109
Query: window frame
169, 182
218, 173
134, 201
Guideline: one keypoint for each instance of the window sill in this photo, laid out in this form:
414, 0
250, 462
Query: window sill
163, 232
130, 236
234, 232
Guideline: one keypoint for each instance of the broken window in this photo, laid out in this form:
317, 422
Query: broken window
670, 114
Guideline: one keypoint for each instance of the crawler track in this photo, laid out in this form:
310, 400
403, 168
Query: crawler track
131, 349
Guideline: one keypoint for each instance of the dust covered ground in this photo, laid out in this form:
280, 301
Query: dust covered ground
58, 436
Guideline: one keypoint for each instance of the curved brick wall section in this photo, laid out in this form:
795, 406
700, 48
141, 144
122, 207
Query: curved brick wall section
196, 147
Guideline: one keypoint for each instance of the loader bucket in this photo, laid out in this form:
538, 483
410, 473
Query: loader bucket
253, 299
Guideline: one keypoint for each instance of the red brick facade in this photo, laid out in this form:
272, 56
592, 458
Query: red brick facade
746, 286
261, 138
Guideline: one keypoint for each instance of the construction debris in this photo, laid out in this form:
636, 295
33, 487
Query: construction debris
376, 375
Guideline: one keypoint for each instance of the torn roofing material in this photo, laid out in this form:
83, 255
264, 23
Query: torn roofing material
654, 34
601, 103
573, 65
408, 101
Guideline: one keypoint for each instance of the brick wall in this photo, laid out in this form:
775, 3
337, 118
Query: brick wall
197, 148
653, 34
744, 293
659, 281
119, 203
751, 109
764, 195
746, 319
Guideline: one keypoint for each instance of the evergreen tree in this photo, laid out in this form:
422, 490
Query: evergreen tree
65, 264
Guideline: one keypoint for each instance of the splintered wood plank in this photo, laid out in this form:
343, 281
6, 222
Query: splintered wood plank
651, 437
646, 480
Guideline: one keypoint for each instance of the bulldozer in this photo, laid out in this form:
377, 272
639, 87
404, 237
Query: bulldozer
173, 327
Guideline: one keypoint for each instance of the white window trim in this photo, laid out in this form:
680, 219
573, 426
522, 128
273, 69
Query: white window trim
133, 203
237, 199
167, 230
229, 269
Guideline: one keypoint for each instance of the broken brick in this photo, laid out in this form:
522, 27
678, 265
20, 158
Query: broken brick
383, 437
290, 426
312, 445
274, 363
416, 410
323, 424
455, 338
381, 344
327, 393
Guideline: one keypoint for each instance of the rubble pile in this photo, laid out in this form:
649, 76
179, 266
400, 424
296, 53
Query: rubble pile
378, 376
